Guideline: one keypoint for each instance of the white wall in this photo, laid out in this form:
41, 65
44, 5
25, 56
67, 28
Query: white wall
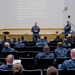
70, 4
17, 13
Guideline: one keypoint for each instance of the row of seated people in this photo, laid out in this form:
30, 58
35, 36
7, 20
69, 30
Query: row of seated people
54, 71
30, 64
68, 64
42, 63
65, 65
17, 70
7, 47
20, 48
21, 42
51, 70
60, 52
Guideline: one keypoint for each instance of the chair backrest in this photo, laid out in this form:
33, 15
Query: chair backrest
5, 72
32, 43
62, 72
30, 48
44, 63
39, 49
2, 61
52, 48
22, 54
1, 46
12, 45
44, 71
28, 63
16, 54
33, 53
19, 49
33, 48
53, 43
61, 60
32, 72
66, 72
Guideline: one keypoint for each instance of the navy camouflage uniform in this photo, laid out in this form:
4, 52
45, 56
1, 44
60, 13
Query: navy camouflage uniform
19, 44
6, 49
41, 44
67, 65
6, 67
67, 29
35, 34
44, 55
61, 52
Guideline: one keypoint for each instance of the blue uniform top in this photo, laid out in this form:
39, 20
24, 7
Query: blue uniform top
67, 64
66, 44
35, 28
67, 29
47, 41
6, 67
6, 49
44, 55
61, 52
23, 40
41, 44
1, 42
19, 44
13, 42
38, 40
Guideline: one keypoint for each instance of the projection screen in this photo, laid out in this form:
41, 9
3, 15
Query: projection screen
23, 13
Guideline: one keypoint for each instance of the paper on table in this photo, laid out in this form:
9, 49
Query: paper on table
17, 61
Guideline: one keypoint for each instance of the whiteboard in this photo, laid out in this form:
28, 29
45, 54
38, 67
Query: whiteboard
23, 13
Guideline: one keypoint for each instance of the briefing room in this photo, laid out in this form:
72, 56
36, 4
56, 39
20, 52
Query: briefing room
37, 37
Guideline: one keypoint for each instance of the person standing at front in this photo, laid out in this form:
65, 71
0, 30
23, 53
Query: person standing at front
35, 30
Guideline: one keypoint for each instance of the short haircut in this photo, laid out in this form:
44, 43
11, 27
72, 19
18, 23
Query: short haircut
6, 44
68, 22
19, 39
52, 71
72, 53
45, 37
59, 44
46, 46
10, 58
